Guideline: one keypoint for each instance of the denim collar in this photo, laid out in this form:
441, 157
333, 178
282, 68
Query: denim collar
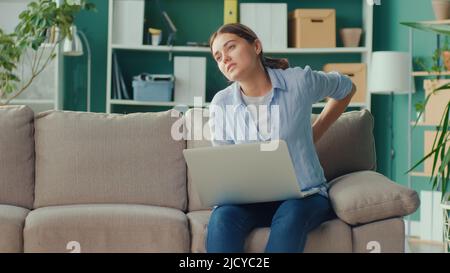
277, 85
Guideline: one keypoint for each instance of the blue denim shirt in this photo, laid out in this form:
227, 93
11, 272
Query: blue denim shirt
295, 90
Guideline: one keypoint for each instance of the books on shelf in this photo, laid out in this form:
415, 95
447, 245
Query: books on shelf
119, 88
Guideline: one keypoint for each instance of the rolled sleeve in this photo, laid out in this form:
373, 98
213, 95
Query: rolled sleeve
331, 84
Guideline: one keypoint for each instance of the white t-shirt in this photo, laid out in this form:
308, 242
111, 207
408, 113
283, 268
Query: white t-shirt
263, 120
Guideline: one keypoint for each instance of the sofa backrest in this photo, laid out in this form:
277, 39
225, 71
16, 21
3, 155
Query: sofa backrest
84, 158
347, 146
16, 156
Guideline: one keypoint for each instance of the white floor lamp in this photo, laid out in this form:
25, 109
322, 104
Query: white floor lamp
390, 73
74, 47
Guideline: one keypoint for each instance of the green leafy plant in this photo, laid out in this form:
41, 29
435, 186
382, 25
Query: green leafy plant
42, 26
437, 64
440, 149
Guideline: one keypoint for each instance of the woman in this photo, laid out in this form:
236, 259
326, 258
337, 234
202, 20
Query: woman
260, 81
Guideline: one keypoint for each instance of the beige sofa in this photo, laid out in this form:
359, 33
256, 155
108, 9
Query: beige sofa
94, 182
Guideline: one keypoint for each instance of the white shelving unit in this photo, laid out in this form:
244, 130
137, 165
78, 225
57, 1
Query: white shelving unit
44, 93
365, 51
431, 226
206, 49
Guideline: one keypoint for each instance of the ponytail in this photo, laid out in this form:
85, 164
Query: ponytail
274, 63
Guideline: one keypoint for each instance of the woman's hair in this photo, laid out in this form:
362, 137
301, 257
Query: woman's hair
247, 34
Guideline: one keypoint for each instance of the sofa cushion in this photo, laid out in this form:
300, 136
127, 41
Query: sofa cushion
353, 130
198, 223
384, 236
16, 156
12, 221
106, 228
109, 158
330, 236
197, 135
368, 196
348, 145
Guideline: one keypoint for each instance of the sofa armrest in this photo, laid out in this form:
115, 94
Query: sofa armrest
367, 196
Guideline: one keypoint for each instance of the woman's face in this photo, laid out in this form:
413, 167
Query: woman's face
235, 57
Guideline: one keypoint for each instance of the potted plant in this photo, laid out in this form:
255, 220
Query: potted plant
446, 54
441, 9
43, 22
439, 60
434, 70
440, 151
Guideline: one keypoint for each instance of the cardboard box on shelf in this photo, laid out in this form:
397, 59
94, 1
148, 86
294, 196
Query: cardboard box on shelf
436, 104
312, 28
357, 73
428, 145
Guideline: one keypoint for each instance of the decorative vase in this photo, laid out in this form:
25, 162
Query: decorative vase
446, 59
441, 9
350, 36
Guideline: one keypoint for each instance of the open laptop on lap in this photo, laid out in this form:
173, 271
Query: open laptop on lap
243, 173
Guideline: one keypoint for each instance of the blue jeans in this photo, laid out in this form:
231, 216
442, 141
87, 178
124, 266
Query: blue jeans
290, 222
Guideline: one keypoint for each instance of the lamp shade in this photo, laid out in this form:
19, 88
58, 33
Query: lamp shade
73, 47
390, 72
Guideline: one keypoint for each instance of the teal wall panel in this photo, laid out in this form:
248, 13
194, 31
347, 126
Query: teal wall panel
95, 26
390, 35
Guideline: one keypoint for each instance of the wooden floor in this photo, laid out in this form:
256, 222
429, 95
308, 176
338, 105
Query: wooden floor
414, 245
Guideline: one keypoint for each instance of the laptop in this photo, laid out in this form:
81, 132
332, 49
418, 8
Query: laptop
242, 174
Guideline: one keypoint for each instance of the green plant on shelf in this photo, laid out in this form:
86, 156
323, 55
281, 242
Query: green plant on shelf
437, 64
440, 150
42, 26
